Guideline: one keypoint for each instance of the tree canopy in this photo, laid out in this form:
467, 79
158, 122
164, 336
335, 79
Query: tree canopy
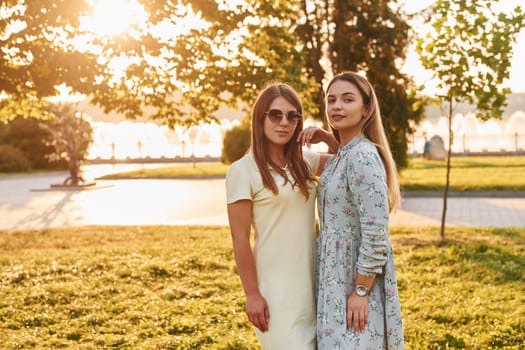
373, 37
470, 51
37, 51
189, 57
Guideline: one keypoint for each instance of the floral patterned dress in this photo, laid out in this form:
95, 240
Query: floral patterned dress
353, 212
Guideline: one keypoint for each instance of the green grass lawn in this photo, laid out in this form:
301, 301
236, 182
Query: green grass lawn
174, 287
467, 173
179, 171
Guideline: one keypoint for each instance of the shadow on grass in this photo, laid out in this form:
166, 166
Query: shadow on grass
498, 251
505, 265
449, 342
512, 336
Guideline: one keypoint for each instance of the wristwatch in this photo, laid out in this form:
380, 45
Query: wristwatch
361, 290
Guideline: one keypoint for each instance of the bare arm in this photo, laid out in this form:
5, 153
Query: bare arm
240, 218
315, 135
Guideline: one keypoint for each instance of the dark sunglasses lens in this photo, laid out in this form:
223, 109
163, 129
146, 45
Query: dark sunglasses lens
293, 116
276, 116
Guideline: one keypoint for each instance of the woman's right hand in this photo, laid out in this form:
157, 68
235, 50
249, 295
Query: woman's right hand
258, 311
357, 313
312, 135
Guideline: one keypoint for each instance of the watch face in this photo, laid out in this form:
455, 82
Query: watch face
361, 290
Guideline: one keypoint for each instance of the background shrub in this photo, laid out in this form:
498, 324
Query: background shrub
28, 136
235, 143
12, 159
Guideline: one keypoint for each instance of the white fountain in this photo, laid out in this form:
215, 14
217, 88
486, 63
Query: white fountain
128, 139
472, 135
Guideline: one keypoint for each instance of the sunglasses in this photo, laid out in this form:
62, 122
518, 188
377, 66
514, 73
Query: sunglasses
276, 116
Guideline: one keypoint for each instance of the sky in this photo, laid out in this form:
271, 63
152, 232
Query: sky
517, 72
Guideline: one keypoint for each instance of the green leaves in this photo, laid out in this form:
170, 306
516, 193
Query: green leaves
368, 36
470, 52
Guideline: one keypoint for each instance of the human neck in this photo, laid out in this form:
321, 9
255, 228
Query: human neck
347, 136
276, 154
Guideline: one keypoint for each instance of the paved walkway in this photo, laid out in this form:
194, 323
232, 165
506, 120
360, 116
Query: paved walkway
462, 211
27, 201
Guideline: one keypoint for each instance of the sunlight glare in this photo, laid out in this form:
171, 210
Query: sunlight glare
66, 95
114, 17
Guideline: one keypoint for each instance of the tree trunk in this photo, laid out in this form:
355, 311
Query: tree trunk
313, 42
73, 173
447, 182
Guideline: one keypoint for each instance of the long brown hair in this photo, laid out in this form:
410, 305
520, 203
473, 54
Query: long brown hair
300, 171
372, 128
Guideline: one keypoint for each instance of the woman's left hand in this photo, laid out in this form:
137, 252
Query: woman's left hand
357, 312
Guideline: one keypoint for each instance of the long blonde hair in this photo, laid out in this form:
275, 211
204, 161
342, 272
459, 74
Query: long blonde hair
372, 128
300, 171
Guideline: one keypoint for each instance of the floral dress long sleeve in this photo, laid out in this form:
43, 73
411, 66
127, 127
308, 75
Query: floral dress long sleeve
354, 214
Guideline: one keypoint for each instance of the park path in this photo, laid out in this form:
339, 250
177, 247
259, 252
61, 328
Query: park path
27, 202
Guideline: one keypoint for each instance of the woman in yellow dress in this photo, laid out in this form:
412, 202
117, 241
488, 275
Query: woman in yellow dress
273, 189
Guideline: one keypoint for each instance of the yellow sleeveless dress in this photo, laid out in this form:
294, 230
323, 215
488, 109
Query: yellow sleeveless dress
284, 250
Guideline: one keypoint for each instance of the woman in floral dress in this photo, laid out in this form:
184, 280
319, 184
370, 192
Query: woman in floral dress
357, 297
